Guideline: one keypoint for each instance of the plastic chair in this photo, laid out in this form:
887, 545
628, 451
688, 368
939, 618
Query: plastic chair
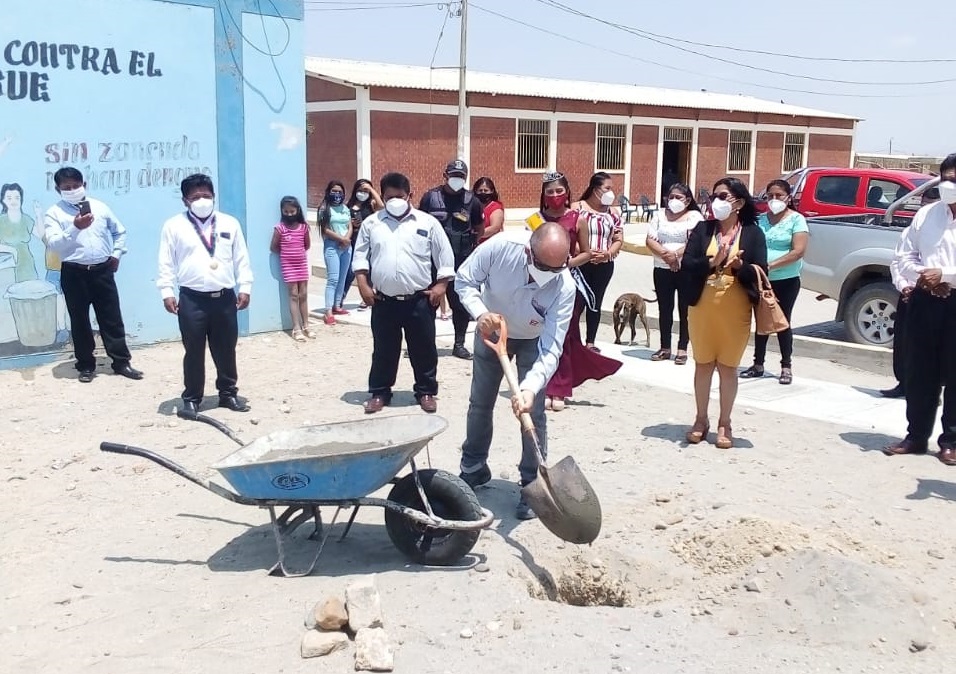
647, 208
627, 209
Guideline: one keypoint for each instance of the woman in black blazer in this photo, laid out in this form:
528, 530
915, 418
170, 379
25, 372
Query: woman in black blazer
721, 287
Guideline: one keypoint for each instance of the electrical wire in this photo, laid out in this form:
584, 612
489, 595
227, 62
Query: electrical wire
632, 57
356, 7
651, 38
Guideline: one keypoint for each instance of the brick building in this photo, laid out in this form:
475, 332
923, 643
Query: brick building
365, 119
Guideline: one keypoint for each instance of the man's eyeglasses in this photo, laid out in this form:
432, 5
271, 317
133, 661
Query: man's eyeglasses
540, 266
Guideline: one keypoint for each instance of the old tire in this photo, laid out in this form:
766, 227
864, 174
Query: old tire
871, 314
450, 499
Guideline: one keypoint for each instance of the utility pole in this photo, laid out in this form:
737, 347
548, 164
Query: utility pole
462, 62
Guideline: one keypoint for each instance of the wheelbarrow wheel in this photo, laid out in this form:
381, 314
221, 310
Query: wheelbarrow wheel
450, 499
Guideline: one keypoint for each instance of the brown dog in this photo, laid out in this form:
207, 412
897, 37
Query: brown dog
627, 309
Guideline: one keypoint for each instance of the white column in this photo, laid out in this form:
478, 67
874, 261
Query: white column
805, 160
363, 132
753, 157
553, 143
628, 146
694, 145
658, 180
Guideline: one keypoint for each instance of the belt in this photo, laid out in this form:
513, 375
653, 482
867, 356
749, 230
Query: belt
202, 293
399, 298
85, 267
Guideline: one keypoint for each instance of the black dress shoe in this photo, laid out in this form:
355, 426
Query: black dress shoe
189, 410
233, 403
895, 392
86, 376
128, 372
461, 352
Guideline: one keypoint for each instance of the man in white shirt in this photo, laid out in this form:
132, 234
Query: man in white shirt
393, 259
90, 241
203, 252
522, 278
925, 262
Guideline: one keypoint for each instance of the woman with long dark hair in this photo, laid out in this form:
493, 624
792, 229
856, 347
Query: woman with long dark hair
577, 364
721, 291
362, 203
605, 239
666, 239
335, 223
492, 208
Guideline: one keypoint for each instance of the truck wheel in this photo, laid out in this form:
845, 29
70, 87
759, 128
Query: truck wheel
450, 499
871, 313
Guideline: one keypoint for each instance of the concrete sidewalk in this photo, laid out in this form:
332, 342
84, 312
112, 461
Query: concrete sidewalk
852, 407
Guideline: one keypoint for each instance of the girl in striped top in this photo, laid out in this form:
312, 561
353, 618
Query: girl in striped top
606, 238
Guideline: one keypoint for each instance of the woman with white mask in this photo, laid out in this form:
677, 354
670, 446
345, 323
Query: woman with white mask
606, 237
666, 239
787, 237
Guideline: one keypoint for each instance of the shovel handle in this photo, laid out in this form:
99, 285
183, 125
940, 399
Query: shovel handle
501, 349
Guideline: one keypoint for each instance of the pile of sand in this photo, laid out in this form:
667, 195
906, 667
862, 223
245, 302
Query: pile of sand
735, 545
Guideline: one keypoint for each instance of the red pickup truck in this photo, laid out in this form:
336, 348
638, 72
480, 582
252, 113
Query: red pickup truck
819, 192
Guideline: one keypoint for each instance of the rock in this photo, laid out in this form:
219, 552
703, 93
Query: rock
761, 569
285, 409
718, 506
145, 424
516, 624
753, 585
171, 424
331, 614
180, 446
660, 526
766, 550
481, 567
674, 519
372, 652
699, 516
935, 554
466, 633
662, 498
504, 475
493, 626
733, 631
658, 614
364, 605
254, 421
918, 645
316, 644
609, 449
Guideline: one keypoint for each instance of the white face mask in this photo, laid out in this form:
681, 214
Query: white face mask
676, 206
721, 209
202, 208
542, 278
607, 199
947, 192
777, 206
74, 196
396, 207
361, 196
456, 184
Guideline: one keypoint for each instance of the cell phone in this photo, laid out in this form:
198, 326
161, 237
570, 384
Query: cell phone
85, 207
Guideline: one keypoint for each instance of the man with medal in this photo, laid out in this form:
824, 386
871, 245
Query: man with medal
203, 253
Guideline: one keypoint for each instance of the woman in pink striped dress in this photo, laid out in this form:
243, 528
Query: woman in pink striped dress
291, 241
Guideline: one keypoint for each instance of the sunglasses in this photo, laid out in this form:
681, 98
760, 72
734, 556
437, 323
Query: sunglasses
540, 266
723, 196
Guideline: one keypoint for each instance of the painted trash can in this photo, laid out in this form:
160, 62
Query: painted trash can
33, 304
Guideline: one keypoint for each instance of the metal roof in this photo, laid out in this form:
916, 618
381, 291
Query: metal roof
365, 73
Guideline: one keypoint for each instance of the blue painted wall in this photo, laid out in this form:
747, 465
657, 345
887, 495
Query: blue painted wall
166, 88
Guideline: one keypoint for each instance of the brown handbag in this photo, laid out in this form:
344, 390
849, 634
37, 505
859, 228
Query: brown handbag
767, 312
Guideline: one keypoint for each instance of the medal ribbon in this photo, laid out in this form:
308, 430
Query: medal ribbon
209, 245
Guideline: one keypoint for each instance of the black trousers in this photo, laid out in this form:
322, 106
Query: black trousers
415, 317
899, 340
459, 315
86, 286
786, 291
930, 364
208, 317
667, 284
598, 277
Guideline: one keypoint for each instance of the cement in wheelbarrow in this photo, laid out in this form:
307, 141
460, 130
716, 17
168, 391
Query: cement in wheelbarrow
339, 461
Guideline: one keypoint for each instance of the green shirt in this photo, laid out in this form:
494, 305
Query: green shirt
780, 242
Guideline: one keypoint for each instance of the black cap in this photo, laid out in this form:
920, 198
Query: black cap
458, 167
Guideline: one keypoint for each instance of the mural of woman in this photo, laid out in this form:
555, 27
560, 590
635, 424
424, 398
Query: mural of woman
16, 229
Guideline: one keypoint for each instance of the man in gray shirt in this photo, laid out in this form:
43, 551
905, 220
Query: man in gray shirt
523, 279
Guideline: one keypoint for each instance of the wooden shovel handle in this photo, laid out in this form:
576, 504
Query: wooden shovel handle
501, 348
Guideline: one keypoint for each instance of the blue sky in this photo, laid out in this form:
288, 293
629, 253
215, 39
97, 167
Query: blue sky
393, 31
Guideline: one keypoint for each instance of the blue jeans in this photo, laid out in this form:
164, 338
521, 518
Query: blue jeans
337, 263
485, 385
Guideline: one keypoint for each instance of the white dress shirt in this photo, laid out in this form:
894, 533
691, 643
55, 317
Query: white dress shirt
495, 278
103, 239
928, 243
185, 262
400, 252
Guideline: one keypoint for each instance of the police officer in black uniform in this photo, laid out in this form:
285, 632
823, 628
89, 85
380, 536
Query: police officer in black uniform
462, 218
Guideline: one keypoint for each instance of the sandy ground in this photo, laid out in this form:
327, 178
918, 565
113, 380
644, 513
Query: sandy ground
808, 552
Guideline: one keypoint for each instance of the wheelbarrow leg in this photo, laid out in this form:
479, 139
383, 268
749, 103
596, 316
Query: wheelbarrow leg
317, 518
281, 525
348, 527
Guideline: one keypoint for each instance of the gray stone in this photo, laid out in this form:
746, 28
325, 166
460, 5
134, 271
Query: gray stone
753, 585
316, 644
372, 652
364, 605
481, 567
918, 645
331, 614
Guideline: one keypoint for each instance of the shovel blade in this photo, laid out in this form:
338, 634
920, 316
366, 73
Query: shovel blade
565, 502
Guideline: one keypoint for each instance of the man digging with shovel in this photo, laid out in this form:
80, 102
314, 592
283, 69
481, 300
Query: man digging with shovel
521, 279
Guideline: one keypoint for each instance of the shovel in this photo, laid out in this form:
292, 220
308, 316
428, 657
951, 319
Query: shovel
561, 497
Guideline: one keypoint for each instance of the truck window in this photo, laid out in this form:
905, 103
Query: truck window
839, 190
881, 193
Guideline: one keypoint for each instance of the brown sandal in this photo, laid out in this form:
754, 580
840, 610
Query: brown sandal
680, 359
725, 436
662, 354
698, 432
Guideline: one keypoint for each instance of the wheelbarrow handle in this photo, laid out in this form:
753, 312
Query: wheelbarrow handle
219, 426
501, 348
116, 448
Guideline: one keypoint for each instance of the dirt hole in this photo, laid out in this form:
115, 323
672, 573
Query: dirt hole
582, 583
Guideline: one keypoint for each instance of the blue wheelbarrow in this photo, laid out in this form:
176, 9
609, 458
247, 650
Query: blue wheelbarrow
431, 516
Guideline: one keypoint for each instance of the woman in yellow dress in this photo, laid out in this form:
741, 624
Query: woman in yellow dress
721, 289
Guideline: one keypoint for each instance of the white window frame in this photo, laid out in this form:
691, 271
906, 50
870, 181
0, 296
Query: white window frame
803, 151
548, 149
750, 151
622, 139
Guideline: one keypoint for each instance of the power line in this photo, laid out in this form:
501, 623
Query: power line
441, 34
632, 57
365, 6
652, 38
